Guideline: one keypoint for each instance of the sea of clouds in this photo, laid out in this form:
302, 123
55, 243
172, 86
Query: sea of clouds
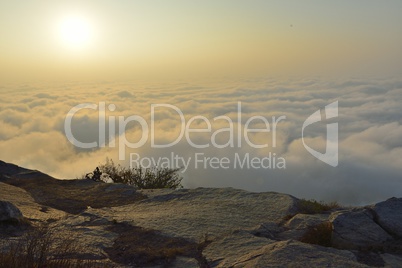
32, 131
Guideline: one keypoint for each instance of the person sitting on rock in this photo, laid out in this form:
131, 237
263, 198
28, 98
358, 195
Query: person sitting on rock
96, 175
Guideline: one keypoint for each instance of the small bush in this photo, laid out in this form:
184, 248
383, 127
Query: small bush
155, 178
139, 177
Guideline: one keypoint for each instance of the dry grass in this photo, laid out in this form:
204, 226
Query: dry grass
311, 206
319, 235
39, 247
286, 218
315, 207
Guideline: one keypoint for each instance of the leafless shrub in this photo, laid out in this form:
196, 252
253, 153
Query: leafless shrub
139, 177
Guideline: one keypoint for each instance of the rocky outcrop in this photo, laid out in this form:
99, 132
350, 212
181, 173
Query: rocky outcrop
119, 226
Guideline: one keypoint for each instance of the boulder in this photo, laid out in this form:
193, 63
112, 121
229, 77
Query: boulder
357, 229
389, 215
9, 212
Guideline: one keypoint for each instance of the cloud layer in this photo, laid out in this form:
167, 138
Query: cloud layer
32, 132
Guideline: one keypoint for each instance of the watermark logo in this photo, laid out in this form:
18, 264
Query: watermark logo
236, 131
331, 152
233, 132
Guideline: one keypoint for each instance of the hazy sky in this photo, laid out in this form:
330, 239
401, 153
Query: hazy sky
124, 39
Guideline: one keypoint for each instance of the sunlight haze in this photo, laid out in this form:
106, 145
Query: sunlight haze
122, 39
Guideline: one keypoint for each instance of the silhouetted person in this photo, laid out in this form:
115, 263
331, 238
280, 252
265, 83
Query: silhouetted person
97, 174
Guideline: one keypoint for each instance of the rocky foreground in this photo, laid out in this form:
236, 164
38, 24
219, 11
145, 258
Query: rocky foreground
115, 225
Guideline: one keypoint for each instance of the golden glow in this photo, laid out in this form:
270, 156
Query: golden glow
126, 39
75, 32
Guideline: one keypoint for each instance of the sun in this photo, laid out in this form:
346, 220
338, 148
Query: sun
75, 32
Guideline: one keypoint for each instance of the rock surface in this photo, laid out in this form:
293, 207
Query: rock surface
119, 226
298, 225
7, 169
226, 251
296, 254
193, 213
27, 205
9, 212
